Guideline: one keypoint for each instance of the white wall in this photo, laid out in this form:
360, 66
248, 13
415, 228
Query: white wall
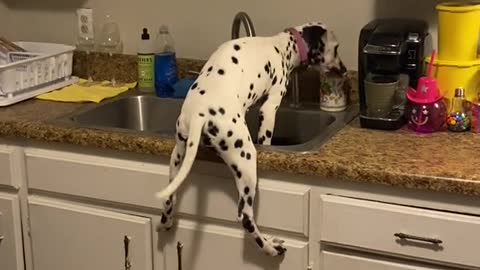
200, 26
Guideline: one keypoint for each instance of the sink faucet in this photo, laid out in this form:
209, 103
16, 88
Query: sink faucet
242, 17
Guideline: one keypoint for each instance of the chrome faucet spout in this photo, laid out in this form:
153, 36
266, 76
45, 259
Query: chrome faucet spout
240, 18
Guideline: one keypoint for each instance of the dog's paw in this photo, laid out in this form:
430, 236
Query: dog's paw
274, 247
165, 224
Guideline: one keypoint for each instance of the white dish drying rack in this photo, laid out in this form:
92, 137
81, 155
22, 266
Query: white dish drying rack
43, 68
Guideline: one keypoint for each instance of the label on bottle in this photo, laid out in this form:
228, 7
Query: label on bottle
165, 74
146, 75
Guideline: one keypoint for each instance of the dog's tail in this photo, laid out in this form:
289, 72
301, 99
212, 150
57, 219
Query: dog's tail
192, 145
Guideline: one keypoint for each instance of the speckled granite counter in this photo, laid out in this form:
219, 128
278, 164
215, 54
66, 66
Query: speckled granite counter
438, 162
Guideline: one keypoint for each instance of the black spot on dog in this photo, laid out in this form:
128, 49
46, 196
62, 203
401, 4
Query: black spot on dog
274, 80
247, 223
213, 130
176, 163
238, 115
194, 86
238, 143
269, 134
229, 133
164, 219
167, 202
281, 80
259, 242
169, 211
251, 86
244, 104
221, 110
234, 60
210, 69
276, 107
261, 117
179, 156
264, 92
223, 145
234, 167
269, 64
276, 49
201, 115
267, 69
259, 76
239, 174
248, 138
249, 95
207, 141
241, 205
249, 156
242, 154
236, 47
234, 120
221, 72
246, 190
191, 144
261, 140
202, 92
249, 200
212, 112
281, 250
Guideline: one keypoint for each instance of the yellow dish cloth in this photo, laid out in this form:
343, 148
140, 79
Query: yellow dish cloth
79, 93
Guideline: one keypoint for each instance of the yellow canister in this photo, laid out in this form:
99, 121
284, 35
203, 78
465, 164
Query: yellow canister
453, 74
458, 30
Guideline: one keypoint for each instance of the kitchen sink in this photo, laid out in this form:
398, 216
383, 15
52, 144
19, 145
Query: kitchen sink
298, 130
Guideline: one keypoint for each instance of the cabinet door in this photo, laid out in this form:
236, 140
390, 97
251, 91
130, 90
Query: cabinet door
11, 248
214, 247
69, 236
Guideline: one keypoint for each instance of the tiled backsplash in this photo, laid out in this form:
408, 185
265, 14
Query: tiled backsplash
125, 69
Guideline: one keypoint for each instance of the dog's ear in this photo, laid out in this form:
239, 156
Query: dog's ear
313, 36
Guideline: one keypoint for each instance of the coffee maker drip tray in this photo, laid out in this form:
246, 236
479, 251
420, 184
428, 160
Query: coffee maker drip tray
390, 121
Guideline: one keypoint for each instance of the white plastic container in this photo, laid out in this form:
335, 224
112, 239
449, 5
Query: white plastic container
43, 68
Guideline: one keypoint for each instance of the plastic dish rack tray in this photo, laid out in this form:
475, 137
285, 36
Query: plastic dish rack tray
43, 68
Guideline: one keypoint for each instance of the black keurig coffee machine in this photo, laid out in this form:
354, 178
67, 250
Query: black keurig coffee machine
390, 58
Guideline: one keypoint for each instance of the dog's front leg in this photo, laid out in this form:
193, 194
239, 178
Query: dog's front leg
267, 114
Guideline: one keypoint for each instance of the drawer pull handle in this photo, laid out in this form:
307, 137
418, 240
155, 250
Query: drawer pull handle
126, 246
404, 236
179, 255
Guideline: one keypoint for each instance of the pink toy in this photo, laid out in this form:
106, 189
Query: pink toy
425, 110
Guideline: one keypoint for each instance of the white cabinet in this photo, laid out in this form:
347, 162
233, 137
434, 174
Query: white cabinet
69, 236
208, 246
11, 248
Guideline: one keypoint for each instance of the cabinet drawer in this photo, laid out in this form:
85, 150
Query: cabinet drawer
336, 261
123, 181
207, 246
10, 164
281, 206
11, 247
69, 236
373, 225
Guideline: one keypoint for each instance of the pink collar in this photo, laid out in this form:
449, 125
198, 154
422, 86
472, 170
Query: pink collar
302, 46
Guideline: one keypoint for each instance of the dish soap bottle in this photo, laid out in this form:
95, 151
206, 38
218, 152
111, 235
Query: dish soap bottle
145, 62
165, 64
458, 119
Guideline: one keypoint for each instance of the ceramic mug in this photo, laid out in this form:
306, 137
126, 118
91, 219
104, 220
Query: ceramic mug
334, 93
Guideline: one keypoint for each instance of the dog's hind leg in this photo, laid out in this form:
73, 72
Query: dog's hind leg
176, 160
242, 160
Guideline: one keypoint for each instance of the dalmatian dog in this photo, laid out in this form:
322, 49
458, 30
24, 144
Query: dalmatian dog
237, 75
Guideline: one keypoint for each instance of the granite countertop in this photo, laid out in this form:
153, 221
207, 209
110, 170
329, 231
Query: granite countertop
438, 162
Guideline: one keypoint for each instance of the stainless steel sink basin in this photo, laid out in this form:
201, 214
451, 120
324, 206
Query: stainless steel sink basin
299, 130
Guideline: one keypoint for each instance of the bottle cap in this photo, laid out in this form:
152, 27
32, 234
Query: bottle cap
145, 35
459, 92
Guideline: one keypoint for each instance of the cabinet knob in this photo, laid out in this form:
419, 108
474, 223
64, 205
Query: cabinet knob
1, 238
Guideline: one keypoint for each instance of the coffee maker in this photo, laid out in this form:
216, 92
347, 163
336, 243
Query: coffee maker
390, 58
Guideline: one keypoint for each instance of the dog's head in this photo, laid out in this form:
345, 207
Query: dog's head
322, 47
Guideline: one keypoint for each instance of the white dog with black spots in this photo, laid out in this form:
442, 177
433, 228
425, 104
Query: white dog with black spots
237, 75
